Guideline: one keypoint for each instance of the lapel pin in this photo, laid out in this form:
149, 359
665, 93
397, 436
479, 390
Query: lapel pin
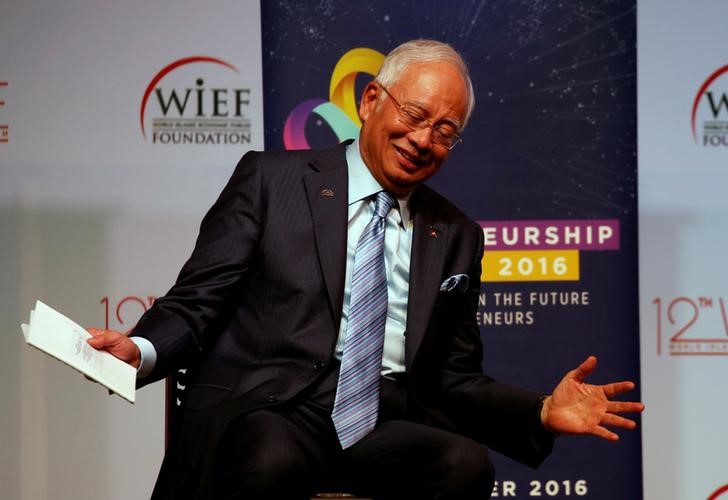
434, 233
327, 193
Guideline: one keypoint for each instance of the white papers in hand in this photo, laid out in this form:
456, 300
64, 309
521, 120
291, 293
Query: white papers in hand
55, 334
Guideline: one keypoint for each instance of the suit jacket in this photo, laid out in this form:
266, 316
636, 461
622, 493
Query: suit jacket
258, 304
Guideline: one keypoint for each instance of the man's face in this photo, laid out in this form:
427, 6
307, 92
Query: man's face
401, 158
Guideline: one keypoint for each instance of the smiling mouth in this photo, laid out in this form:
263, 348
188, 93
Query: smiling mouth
413, 159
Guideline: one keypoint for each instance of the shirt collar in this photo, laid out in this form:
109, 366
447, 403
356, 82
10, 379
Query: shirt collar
362, 183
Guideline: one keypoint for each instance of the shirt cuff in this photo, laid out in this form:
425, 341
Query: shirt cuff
148, 356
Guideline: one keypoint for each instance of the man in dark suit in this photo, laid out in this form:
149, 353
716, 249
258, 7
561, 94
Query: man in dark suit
274, 300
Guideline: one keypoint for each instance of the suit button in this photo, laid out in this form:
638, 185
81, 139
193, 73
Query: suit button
272, 399
318, 365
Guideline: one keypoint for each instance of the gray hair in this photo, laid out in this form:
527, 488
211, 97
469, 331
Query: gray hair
425, 51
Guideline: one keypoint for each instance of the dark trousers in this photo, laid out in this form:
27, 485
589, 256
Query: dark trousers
289, 452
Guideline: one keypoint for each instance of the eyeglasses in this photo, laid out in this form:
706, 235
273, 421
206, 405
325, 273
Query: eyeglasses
442, 134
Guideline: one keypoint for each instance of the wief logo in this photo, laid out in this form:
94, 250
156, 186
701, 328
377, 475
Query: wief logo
195, 101
710, 110
721, 492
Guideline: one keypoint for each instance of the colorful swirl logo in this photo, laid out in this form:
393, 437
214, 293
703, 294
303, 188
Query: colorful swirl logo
340, 112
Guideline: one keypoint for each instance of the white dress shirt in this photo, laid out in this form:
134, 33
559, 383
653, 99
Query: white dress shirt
397, 249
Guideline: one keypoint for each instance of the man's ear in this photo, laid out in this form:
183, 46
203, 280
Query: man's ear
369, 99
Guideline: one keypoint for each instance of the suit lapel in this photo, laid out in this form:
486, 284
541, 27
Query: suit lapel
326, 187
429, 244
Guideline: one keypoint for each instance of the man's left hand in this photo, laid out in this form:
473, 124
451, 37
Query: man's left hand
576, 407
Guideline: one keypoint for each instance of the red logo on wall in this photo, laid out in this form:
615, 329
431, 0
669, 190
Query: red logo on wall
692, 326
195, 101
123, 314
719, 493
4, 127
710, 110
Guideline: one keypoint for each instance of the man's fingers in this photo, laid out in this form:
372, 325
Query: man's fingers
97, 341
624, 407
613, 420
102, 338
603, 433
585, 369
115, 343
617, 388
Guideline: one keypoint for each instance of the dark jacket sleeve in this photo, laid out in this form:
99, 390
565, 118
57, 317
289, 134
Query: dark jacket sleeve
502, 417
183, 322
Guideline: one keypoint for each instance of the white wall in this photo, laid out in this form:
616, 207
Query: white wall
89, 209
683, 242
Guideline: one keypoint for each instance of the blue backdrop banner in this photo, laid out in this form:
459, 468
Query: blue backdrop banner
547, 166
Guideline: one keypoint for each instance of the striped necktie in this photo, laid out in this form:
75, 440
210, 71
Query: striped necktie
357, 394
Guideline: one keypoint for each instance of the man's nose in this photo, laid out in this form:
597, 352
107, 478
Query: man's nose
422, 138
